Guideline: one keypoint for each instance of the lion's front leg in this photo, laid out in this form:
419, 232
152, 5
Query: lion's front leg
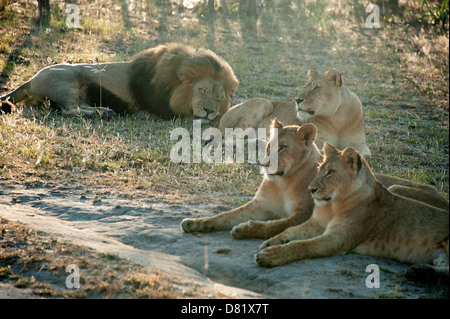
258, 229
308, 229
225, 221
267, 229
278, 255
321, 246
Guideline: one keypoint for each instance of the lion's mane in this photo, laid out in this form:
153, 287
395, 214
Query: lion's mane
161, 78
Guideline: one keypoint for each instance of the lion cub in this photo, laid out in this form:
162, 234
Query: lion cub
282, 198
354, 212
324, 101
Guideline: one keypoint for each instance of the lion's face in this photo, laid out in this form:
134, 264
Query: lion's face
294, 148
337, 175
320, 96
209, 98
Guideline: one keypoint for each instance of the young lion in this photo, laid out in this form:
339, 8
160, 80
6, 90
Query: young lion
354, 212
324, 101
283, 198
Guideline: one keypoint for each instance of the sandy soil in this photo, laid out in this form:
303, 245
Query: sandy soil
146, 230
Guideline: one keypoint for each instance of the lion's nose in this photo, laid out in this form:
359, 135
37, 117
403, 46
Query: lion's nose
210, 109
299, 100
312, 189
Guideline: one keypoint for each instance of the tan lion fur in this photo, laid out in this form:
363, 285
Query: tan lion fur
354, 212
280, 201
324, 101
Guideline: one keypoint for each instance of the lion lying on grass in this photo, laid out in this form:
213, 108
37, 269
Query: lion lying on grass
324, 101
169, 80
354, 212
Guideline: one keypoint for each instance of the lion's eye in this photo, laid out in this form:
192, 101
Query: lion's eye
203, 91
316, 89
282, 148
329, 173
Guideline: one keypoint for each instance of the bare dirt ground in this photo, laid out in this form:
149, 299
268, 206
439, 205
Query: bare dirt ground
146, 231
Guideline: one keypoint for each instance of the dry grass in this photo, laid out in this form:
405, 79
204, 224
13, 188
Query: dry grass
400, 72
30, 259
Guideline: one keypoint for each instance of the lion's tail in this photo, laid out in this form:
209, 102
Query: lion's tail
19, 94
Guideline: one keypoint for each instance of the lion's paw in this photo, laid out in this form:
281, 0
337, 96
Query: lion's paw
271, 257
189, 225
264, 245
241, 231
274, 241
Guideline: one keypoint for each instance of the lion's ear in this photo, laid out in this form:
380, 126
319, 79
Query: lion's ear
276, 123
329, 149
334, 77
307, 133
352, 159
311, 73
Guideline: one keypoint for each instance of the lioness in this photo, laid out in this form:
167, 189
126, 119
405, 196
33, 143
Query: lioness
283, 198
354, 212
168, 80
324, 101
281, 195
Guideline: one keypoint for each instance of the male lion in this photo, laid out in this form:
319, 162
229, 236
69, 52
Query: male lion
324, 101
168, 80
283, 199
354, 212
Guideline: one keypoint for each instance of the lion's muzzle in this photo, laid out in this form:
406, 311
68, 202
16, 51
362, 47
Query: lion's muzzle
298, 102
